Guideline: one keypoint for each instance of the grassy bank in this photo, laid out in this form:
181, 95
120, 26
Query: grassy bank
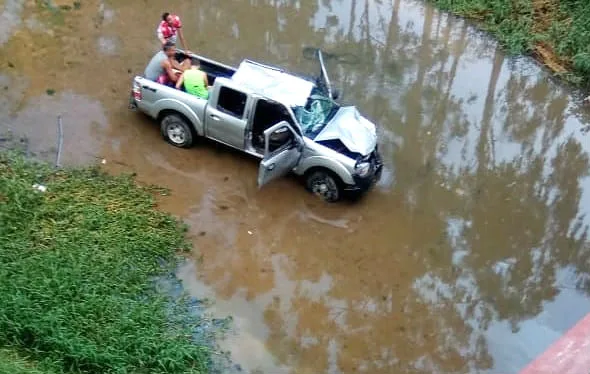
78, 265
556, 32
12, 363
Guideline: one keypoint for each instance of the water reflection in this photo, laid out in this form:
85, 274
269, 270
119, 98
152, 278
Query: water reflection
10, 11
465, 262
489, 180
35, 121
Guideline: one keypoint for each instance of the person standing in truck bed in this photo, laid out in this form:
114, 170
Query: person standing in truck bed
169, 28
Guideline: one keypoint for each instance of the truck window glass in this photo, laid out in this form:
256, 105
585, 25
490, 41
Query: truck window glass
231, 102
318, 111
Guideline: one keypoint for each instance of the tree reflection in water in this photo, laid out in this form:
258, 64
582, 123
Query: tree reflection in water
483, 217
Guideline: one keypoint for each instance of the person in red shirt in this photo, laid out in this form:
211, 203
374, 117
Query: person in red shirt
169, 28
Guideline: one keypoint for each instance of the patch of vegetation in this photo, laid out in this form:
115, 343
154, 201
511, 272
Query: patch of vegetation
556, 32
12, 363
78, 270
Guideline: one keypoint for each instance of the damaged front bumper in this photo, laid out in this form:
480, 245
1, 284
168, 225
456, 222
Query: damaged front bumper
363, 184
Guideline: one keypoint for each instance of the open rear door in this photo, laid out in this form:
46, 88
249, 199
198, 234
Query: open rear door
282, 151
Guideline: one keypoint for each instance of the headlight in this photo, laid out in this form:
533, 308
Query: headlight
362, 169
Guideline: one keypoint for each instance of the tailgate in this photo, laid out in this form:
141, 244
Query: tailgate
135, 95
144, 93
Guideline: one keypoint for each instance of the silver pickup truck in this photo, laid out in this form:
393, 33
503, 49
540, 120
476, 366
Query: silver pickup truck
292, 123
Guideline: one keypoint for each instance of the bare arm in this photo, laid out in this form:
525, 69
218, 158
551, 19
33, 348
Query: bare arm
205, 79
161, 36
180, 81
176, 65
169, 71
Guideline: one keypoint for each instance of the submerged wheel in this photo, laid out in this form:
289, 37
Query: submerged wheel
325, 185
176, 131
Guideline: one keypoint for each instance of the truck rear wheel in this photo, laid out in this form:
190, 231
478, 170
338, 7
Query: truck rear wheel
176, 131
324, 184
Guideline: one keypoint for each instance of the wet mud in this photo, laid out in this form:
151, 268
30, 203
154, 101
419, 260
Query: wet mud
470, 255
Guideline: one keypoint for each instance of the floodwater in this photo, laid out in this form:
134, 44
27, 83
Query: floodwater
470, 255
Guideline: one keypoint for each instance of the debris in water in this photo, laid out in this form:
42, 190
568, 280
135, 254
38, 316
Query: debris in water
249, 232
103, 161
40, 187
50, 91
10, 64
60, 139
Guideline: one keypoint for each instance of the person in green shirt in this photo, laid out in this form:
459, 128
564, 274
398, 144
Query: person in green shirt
194, 81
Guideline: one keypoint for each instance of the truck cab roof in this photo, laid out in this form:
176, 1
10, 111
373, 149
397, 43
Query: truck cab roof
273, 83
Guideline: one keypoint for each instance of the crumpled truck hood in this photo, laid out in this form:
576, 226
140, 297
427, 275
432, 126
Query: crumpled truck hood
356, 132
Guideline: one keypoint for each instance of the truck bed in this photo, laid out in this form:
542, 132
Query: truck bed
212, 68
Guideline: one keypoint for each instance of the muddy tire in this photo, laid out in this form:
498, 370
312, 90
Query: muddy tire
324, 184
177, 131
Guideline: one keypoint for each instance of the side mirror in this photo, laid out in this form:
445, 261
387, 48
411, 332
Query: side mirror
335, 94
279, 137
280, 131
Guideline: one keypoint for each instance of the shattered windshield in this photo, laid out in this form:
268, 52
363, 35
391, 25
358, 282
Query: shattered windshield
318, 111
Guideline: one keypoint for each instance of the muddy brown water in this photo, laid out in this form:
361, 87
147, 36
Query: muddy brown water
470, 255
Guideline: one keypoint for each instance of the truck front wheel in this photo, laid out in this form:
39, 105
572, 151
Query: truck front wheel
324, 184
176, 131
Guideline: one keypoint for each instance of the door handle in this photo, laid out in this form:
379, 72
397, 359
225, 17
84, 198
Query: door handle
270, 167
214, 117
149, 88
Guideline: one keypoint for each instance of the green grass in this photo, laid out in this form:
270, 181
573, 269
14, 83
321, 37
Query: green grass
78, 265
12, 363
563, 25
574, 39
509, 21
